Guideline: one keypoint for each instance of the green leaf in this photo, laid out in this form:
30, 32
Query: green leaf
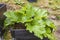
48, 30
8, 22
50, 24
11, 15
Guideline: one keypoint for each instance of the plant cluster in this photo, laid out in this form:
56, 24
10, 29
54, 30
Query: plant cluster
35, 19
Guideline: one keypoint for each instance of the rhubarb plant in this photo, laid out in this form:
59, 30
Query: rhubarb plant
35, 19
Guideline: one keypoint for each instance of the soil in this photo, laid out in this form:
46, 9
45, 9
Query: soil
19, 26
